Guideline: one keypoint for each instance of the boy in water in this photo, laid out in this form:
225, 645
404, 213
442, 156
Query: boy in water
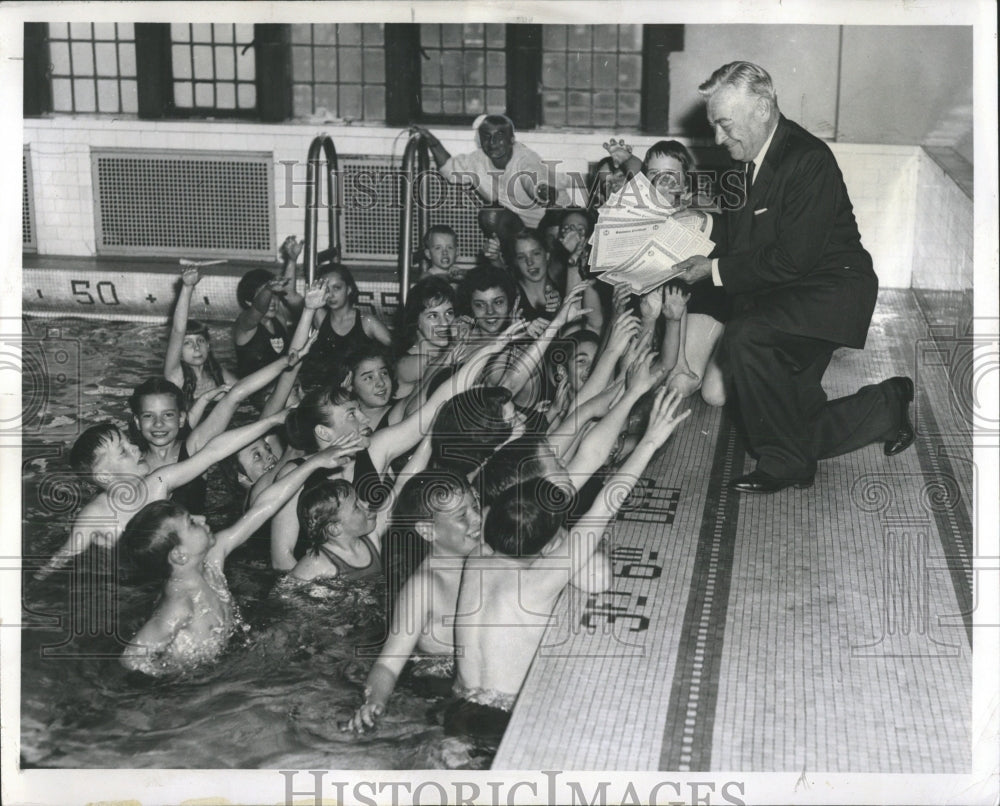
506, 600
116, 465
196, 613
441, 252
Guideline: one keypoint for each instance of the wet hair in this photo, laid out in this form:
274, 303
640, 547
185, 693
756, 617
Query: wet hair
345, 274
469, 427
669, 148
483, 278
421, 498
212, 366
370, 351
512, 464
90, 445
250, 283
153, 386
564, 349
319, 505
426, 293
523, 519
742, 75
438, 229
301, 422
146, 542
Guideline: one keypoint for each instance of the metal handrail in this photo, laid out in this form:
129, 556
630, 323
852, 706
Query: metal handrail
416, 167
324, 142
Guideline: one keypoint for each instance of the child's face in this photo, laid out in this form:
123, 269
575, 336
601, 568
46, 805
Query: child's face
668, 177
434, 324
349, 419
338, 292
119, 458
159, 420
579, 368
355, 517
195, 349
490, 309
441, 250
256, 459
372, 383
195, 536
532, 260
457, 525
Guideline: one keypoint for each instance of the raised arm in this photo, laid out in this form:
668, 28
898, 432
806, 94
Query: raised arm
520, 371
290, 251
438, 151
248, 320
275, 497
178, 328
217, 449
623, 330
586, 535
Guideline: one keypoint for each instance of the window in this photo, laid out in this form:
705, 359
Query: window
463, 69
338, 71
592, 75
213, 67
92, 67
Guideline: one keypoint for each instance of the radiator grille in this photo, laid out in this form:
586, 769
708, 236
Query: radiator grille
373, 200
185, 203
27, 205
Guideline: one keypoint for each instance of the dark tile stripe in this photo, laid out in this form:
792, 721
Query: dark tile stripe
687, 733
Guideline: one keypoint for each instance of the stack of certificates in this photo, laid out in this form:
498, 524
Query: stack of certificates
638, 237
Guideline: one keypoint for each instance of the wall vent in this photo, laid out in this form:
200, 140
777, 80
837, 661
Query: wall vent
28, 242
372, 204
185, 203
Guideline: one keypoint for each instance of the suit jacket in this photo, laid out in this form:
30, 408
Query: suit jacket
793, 252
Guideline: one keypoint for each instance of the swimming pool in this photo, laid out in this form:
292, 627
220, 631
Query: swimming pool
274, 700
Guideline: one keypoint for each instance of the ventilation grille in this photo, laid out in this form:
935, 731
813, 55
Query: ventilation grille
373, 199
27, 205
186, 203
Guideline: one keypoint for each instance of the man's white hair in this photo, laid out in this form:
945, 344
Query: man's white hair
742, 75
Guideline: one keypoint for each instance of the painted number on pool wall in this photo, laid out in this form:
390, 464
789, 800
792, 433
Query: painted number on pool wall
105, 290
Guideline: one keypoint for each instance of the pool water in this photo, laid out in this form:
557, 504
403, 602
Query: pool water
274, 700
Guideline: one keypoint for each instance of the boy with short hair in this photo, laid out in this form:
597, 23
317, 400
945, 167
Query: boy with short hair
440, 253
116, 465
506, 599
196, 613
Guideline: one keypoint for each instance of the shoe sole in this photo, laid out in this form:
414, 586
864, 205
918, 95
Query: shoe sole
798, 485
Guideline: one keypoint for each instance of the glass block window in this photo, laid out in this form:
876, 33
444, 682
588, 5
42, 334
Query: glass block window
213, 69
338, 71
591, 75
93, 67
463, 69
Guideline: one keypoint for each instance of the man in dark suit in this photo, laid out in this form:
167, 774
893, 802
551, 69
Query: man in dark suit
801, 285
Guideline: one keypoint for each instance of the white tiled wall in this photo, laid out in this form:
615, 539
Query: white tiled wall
943, 220
907, 231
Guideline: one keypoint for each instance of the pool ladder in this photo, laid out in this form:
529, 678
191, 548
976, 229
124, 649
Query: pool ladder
416, 167
324, 142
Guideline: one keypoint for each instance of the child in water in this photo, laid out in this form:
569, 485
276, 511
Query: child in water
506, 599
196, 613
190, 363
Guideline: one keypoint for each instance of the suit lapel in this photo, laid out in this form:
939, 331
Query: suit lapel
763, 176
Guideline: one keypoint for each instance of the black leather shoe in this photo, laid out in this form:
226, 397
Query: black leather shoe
905, 434
761, 482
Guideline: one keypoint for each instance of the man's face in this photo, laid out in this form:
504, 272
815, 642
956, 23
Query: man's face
740, 122
497, 142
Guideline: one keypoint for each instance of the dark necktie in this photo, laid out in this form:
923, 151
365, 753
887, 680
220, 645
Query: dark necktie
750, 169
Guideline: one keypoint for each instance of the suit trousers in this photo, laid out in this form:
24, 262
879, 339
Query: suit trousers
776, 381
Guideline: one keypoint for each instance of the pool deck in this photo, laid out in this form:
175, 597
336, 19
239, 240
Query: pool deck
827, 629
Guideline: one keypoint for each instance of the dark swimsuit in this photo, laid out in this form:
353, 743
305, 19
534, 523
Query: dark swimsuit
261, 350
347, 572
191, 495
330, 351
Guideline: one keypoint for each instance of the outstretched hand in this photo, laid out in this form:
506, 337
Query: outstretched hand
291, 248
674, 302
316, 295
619, 150
190, 276
663, 417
